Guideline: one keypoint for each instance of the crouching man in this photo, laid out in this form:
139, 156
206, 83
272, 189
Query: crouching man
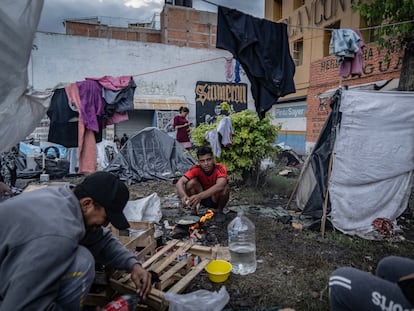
205, 183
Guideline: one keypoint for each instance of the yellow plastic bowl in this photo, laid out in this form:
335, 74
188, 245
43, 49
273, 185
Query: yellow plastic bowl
218, 270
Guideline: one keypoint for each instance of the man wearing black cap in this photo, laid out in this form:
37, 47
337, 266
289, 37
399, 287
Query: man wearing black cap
50, 237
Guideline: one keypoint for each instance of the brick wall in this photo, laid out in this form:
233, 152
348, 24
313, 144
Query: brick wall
120, 33
180, 26
324, 75
188, 27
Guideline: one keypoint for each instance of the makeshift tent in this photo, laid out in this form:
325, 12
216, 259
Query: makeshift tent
368, 141
151, 154
21, 108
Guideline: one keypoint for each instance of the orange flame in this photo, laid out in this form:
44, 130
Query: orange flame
203, 218
207, 215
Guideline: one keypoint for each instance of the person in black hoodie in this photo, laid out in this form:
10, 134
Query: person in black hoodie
391, 288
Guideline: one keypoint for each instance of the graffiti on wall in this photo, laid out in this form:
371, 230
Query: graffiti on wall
210, 95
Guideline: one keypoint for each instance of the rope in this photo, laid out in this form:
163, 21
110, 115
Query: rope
178, 66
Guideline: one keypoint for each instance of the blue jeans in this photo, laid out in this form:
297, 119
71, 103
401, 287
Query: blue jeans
75, 285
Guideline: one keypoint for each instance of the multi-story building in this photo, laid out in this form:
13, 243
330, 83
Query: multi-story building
310, 25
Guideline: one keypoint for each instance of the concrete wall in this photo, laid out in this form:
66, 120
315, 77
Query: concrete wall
60, 58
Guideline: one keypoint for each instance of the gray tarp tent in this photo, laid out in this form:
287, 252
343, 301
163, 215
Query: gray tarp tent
151, 154
21, 108
370, 135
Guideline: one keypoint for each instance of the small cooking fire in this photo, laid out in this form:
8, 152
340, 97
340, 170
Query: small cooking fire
196, 231
208, 215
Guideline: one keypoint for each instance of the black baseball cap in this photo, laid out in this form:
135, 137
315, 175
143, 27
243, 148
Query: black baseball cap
111, 193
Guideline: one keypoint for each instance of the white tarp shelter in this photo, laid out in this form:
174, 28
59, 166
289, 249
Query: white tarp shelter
372, 164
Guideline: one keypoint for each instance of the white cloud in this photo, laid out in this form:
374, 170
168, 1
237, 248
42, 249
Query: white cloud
141, 3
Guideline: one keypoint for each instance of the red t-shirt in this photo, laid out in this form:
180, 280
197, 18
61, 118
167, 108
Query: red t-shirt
207, 181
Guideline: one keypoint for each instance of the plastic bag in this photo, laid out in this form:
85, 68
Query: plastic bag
201, 300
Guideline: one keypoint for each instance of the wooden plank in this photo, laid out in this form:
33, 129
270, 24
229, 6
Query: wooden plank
172, 257
183, 283
165, 278
159, 254
174, 274
200, 250
148, 250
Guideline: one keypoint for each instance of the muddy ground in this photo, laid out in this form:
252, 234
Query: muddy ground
293, 265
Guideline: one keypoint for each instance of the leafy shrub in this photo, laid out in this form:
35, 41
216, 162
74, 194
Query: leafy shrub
253, 141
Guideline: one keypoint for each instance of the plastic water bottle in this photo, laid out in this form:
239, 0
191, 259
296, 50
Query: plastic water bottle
122, 303
242, 244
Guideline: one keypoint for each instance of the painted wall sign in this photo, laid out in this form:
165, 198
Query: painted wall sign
209, 96
290, 112
315, 13
373, 63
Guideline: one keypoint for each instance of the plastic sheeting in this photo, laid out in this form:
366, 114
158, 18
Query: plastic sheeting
370, 135
310, 195
145, 209
151, 155
372, 172
21, 108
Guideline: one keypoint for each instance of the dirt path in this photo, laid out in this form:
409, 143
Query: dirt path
293, 265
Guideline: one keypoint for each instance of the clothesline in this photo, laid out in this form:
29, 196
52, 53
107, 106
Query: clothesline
324, 28
178, 66
364, 28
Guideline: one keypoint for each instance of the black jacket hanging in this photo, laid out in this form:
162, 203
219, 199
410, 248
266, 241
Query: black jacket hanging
262, 48
63, 127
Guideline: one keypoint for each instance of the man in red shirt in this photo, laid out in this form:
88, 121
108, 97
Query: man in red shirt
205, 183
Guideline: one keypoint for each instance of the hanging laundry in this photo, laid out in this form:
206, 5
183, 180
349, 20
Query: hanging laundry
113, 83
228, 69
237, 72
213, 138
121, 100
344, 44
221, 136
118, 94
92, 104
354, 66
86, 137
225, 129
262, 48
63, 117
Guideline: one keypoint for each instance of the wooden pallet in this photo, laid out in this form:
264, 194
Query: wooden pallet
141, 242
175, 271
139, 237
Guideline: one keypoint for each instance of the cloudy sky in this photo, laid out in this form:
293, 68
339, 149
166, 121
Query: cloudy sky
56, 11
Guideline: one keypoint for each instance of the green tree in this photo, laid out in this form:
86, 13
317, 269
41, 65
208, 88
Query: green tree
400, 13
253, 141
